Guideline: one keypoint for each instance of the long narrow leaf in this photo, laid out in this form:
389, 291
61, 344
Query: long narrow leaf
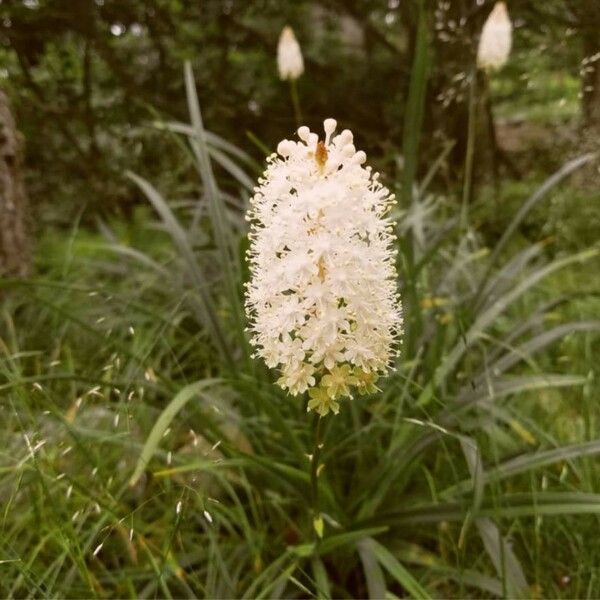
321, 579
398, 571
223, 235
538, 195
163, 422
503, 558
539, 342
529, 462
373, 574
414, 554
208, 313
214, 140
490, 315
498, 388
509, 505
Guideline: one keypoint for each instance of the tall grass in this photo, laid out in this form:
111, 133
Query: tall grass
147, 455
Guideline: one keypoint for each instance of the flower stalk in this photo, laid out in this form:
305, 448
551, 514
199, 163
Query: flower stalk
295, 102
315, 471
290, 64
470, 151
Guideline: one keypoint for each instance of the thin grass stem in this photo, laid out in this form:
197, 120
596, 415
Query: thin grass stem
295, 102
318, 437
470, 152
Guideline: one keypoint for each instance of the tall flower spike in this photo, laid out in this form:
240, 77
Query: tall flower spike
322, 300
496, 39
289, 56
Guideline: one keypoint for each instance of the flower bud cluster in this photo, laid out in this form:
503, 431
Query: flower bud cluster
289, 56
496, 39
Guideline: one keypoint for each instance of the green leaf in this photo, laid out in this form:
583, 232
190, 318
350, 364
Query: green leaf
414, 554
508, 505
214, 140
207, 313
333, 542
528, 462
218, 149
397, 571
505, 562
413, 122
506, 386
321, 579
163, 422
222, 231
373, 574
318, 525
490, 315
504, 559
564, 172
415, 106
522, 353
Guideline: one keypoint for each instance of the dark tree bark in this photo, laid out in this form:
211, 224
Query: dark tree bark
15, 256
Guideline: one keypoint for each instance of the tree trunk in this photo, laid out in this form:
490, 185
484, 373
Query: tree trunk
15, 257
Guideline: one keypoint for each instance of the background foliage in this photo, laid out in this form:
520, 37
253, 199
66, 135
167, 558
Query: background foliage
87, 79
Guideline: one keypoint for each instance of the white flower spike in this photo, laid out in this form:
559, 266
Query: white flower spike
496, 39
289, 56
322, 300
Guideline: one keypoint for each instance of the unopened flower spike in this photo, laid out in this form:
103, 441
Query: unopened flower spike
289, 56
322, 300
496, 39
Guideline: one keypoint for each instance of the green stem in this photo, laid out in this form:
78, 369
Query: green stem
295, 102
318, 431
413, 123
468, 181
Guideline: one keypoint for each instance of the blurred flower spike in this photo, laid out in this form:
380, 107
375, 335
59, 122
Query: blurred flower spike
322, 300
496, 39
289, 56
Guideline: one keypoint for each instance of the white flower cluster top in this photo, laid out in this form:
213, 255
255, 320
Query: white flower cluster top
322, 300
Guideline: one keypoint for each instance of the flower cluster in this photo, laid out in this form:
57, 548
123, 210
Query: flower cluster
496, 39
322, 299
289, 56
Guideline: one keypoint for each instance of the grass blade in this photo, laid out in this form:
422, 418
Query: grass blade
167, 415
505, 562
413, 121
533, 345
529, 462
414, 554
374, 576
490, 315
538, 195
498, 388
397, 571
509, 506
222, 233
321, 580
178, 235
